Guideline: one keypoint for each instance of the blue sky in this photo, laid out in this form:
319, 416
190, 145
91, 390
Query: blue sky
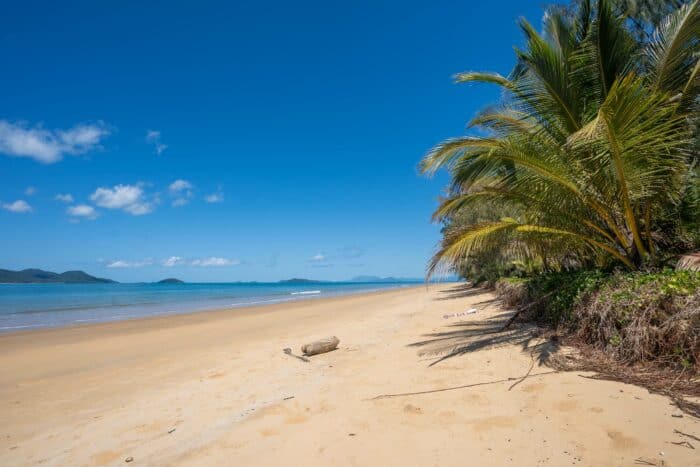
235, 140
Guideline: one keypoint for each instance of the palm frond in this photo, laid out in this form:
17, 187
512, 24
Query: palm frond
477, 77
674, 44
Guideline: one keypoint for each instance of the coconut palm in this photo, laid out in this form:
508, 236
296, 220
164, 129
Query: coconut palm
590, 147
645, 15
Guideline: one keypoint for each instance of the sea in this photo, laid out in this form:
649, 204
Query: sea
33, 306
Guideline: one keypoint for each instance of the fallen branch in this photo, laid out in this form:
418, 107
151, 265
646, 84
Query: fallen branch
683, 443
687, 435
512, 319
486, 383
532, 365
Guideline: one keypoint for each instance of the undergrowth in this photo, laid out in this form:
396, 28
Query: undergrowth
632, 317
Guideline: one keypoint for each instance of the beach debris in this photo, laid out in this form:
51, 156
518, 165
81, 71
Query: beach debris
470, 311
687, 435
129, 459
320, 346
683, 443
171, 430
288, 351
691, 262
430, 391
351, 434
287, 398
643, 461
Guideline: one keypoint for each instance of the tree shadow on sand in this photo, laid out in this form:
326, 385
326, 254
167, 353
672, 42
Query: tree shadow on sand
459, 291
479, 334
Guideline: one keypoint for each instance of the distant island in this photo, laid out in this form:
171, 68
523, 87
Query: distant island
296, 280
170, 280
384, 279
38, 276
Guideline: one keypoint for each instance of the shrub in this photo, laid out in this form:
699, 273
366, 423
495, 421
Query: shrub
553, 296
644, 317
512, 290
633, 317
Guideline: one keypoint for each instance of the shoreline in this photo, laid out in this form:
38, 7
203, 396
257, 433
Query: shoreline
215, 388
228, 309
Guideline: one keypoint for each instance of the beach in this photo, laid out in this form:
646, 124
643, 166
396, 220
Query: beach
216, 388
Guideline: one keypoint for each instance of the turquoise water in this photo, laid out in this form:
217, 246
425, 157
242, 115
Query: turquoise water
27, 306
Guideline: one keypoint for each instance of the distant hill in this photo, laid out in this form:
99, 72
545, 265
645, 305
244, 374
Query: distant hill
298, 281
38, 276
384, 279
170, 280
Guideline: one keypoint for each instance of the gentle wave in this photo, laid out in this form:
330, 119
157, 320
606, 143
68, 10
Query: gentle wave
20, 327
53, 305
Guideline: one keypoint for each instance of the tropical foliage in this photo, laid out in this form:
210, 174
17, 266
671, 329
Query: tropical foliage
589, 160
631, 316
645, 14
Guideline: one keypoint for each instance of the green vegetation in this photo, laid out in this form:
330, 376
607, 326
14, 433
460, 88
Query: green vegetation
589, 159
582, 185
634, 316
644, 316
551, 296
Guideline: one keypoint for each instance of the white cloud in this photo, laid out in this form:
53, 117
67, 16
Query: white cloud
30, 190
49, 146
319, 260
215, 198
129, 264
214, 261
82, 210
179, 185
128, 198
18, 206
172, 261
153, 138
182, 190
64, 198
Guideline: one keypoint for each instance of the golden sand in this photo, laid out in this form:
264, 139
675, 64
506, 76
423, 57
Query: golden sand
215, 388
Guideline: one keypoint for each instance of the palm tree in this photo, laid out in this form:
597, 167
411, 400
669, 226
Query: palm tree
645, 15
590, 147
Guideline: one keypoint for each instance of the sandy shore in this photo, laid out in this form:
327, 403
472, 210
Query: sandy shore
215, 388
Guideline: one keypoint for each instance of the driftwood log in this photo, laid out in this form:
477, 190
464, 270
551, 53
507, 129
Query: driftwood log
320, 346
691, 262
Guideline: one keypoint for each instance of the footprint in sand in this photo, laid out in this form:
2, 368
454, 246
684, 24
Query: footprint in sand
409, 408
567, 405
620, 441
